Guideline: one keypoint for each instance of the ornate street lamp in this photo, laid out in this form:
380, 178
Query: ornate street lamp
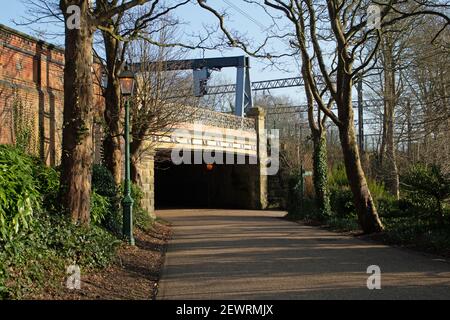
127, 80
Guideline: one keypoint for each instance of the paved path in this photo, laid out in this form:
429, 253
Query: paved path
236, 254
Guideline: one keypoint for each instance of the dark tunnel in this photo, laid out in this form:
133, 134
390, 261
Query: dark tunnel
203, 185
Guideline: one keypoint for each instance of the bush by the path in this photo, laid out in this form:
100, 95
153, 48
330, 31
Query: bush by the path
37, 242
109, 213
420, 219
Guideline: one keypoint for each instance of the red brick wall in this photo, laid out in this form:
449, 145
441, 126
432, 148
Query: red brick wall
31, 72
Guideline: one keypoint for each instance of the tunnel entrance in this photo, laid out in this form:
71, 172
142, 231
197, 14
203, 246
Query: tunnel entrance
203, 185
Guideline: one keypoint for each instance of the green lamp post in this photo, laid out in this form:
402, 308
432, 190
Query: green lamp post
127, 86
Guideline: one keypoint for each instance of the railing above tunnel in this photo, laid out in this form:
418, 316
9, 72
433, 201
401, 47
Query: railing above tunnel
218, 119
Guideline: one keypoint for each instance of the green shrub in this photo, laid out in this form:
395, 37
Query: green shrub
47, 183
389, 207
91, 247
338, 177
104, 188
428, 188
100, 208
348, 223
19, 195
136, 193
419, 233
341, 197
47, 250
33, 257
294, 193
341, 200
379, 192
103, 181
141, 217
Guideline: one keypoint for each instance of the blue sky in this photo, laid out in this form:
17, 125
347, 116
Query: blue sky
244, 19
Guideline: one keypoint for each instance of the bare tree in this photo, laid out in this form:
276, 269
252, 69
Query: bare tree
158, 106
344, 26
425, 113
117, 33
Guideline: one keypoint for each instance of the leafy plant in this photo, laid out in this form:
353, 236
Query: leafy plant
47, 183
103, 185
428, 186
338, 177
19, 196
294, 193
342, 202
103, 181
47, 249
34, 257
342, 197
100, 208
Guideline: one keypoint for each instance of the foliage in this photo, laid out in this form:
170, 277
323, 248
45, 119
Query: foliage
47, 183
90, 247
379, 192
338, 177
110, 213
294, 193
342, 198
100, 208
106, 200
418, 233
348, 223
36, 241
23, 125
342, 202
103, 181
19, 194
407, 220
53, 244
427, 186
301, 207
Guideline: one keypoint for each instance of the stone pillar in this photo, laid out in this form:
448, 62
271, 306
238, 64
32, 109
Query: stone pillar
146, 181
258, 175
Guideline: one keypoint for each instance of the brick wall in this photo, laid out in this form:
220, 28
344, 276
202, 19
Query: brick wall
31, 81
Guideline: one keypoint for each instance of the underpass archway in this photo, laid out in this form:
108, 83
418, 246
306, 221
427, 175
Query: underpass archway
202, 185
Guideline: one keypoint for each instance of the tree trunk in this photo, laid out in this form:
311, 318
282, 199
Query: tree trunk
112, 143
77, 149
320, 159
135, 148
364, 204
320, 174
388, 161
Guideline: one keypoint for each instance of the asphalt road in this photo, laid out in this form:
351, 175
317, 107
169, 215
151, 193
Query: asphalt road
238, 254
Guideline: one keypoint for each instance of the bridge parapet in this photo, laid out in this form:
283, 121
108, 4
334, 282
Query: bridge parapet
219, 119
204, 129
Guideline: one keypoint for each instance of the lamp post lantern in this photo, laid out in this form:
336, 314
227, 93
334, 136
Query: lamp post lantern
127, 80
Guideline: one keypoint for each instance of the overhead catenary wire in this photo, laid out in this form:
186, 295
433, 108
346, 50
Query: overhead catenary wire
245, 14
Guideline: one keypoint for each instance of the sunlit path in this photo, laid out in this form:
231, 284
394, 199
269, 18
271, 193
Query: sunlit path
234, 254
